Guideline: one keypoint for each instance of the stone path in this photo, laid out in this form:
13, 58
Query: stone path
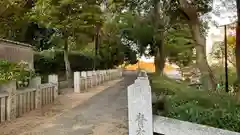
103, 114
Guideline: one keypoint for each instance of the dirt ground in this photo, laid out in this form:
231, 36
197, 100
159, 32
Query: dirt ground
38, 118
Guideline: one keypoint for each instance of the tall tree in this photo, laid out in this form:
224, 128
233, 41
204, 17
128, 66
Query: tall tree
179, 46
71, 18
192, 10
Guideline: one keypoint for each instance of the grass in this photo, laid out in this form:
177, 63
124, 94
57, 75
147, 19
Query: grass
219, 73
183, 102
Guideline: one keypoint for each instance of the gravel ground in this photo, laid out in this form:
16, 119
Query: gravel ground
102, 114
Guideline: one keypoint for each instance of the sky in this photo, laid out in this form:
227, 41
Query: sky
227, 16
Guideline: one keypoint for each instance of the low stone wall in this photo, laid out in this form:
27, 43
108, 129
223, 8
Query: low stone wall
16, 52
14, 103
88, 79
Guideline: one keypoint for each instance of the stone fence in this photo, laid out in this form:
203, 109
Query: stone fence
88, 79
143, 122
14, 103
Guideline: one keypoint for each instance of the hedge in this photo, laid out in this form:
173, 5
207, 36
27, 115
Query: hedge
47, 64
217, 109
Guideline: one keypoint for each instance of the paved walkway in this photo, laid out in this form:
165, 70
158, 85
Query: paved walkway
103, 114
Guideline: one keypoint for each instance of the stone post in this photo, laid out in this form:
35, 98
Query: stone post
139, 97
107, 75
103, 76
35, 83
77, 82
113, 74
84, 76
94, 78
11, 89
53, 79
120, 72
110, 74
89, 77
98, 77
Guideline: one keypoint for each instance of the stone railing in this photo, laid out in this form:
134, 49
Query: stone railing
88, 79
143, 122
14, 103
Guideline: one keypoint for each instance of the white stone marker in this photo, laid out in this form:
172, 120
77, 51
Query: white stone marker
77, 82
140, 108
83, 74
101, 76
53, 79
89, 73
94, 78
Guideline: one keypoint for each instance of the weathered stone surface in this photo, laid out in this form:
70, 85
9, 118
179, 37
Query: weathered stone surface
53, 79
140, 108
16, 52
35, 83
11, 89
170, 126
77, 82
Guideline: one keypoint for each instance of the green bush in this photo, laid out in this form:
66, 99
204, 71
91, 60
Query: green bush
182, 102
219, 72
48, 64
15, 71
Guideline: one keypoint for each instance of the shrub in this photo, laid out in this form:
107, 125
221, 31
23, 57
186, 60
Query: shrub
48, 64
182, 102
15, 71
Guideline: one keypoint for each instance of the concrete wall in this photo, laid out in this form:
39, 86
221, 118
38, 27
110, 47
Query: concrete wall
16, 52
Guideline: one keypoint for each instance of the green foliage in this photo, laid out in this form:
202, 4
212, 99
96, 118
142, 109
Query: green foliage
203, 107
69, 17
179, 45
114, 50
136, 29
78, 61
55, 62
13, 22
219, 71
15, 71
218, 52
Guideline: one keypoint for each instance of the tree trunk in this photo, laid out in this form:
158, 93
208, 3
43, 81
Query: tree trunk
157, 62
237, 49
160, 59
67, 64
207, 77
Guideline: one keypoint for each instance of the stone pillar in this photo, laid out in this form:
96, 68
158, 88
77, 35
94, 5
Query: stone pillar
77, 82
94, 75
120, 72
11, 89
84, 76
53, 79
101, 76
104, 75
110, 74
98, 77
139, 97
35, 83
89, 77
